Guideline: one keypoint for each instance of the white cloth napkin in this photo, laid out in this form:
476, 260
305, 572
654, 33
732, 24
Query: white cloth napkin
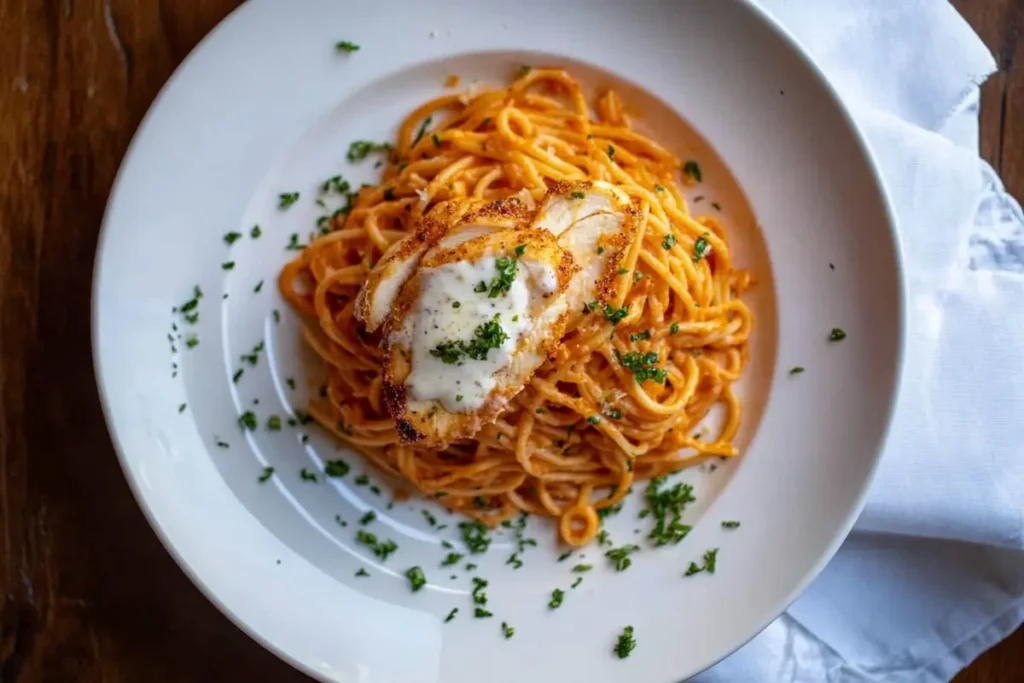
934, 572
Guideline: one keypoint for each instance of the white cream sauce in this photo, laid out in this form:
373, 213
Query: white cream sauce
449, 310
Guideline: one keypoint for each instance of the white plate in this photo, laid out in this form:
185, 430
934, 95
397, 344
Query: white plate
265, 105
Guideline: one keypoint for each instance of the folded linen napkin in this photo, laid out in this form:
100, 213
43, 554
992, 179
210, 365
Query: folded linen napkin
933, 573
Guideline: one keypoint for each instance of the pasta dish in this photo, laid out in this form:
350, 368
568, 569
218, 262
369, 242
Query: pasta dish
525, 315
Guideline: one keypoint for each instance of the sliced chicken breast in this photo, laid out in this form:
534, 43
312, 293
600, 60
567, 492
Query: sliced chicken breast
490, 301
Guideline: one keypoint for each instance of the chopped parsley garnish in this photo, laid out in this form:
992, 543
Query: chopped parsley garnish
416, 578
692, 170
362, 572
514, 560
674, 329
237, 376
659, 188
223, 444
600, 250
451, 615
294, 244
710, 558
700, 249
502, 282
255, 232
669, 240
429, 516
436, 140
730, 524
615, 315
362, 480
258, 287
286, 199
667, 506
593, 419
489, 335
614, 413
267, 473
602, 538
423, 130
581, 568
346, 46
469, 565
609, 510
456, 304
640, 336
336, 468
274, 423
796, 371
611, 152
458, 398
716, 205
227, 265
248, 420
181, 408
367, 518
836, 334
622, 271
642, 365
620, 556
451, 558
637, 276
481, 613
381, 550
520, 250
474, 535
626, 643
277, 316
507, 630
232, 237
577, 195
306, 475
565, 556
557, 596
191, 341
361, 149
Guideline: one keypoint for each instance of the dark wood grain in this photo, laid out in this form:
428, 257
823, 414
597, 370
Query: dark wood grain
88, 592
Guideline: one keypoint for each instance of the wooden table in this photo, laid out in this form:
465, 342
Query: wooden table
89, 593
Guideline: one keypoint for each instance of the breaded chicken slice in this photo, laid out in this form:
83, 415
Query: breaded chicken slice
399, 262
487, 306
470, 328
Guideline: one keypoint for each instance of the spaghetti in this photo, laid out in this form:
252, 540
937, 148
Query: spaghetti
616, 402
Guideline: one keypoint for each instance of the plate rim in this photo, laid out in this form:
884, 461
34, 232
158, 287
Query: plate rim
770, 23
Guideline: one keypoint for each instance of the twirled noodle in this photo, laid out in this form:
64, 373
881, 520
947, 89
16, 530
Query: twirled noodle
542, 456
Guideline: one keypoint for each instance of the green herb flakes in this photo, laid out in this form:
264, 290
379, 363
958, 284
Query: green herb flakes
267, 473
416, 578
620, 556
248, 420
710, 559
286, 199
626, 643
691, 169
360, 149
346, 46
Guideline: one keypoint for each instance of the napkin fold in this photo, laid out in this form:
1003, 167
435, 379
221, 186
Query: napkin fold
933, 573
